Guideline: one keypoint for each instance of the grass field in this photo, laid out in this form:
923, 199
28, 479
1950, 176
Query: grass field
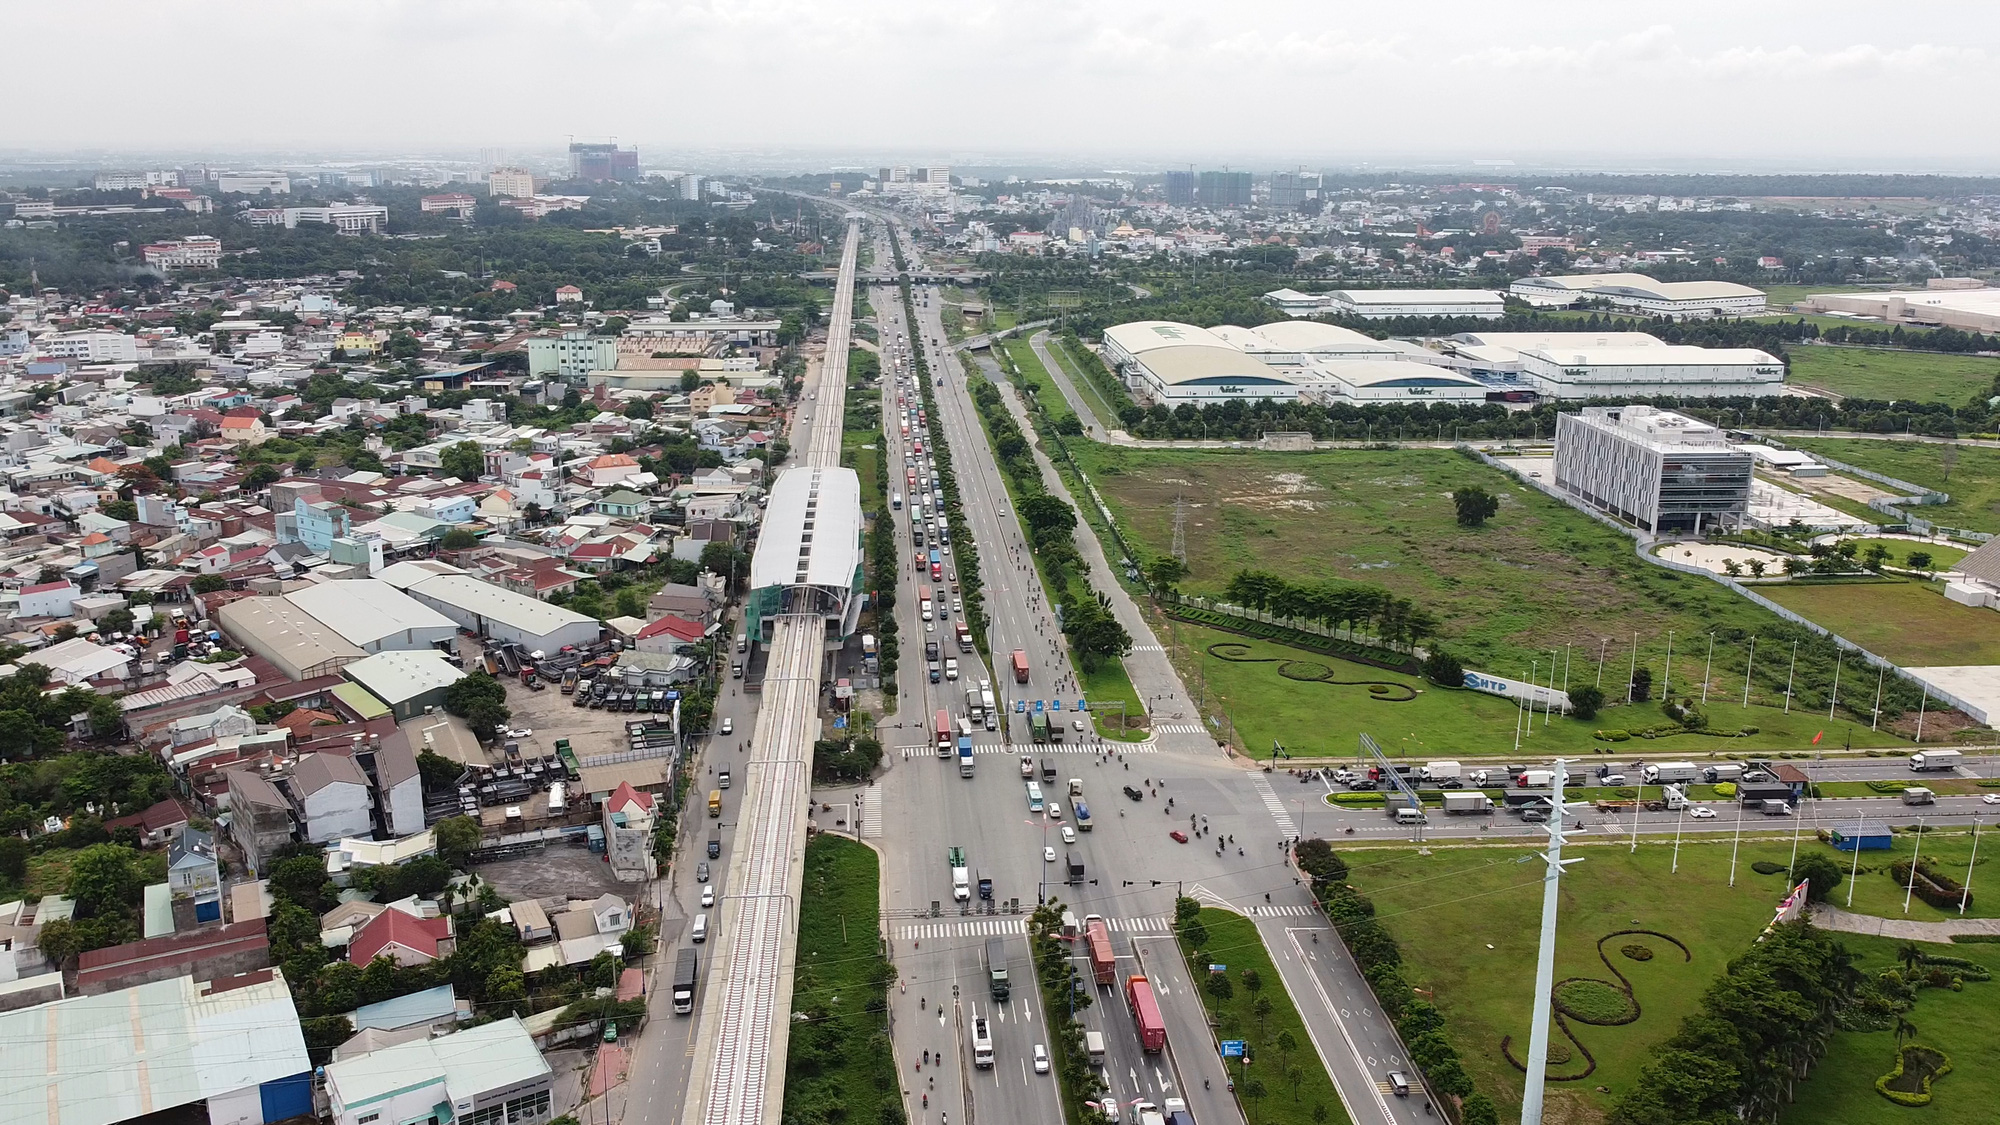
1943, 555
1881, 373
1965, 1025
1973, 479
1910, 623
1467, 920
840, 1067
1314, 719
1295, 1083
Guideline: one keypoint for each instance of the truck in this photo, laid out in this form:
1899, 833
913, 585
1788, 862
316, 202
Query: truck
1918, 795
1038, 727
1924, 760
1665, 772
1083, 821
985, 888
1097, 940
1075, 866
569, 682
1055, 728
973, 708
996, 968
965, 755
941, 733
982, 1044
684, 973
1177, 1112
715, 802
964, 632
1467, 803
1020, 666
986, 706
1442, 771
936, 670
1145, 1014
1093, 1047
951, 667
1536, 779
1146, 1113
932, 647
961, 886
1777, 808
1728, 771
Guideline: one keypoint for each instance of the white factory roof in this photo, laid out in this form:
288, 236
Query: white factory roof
474, 1061
364, 610
278, 630
789, 553
1417, 297
1664, 355
1638, 284
95, 1060
1142, 336
1528, 341
516, 611
1659, 429
1304, 336
396, 676
1394, 373
404, 575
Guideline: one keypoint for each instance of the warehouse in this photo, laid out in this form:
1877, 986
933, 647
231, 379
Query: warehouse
374, 616
1381, 304
297, 642
1300, 343
1175, 363
408, 682
492, 612
1966, 309
1639, 293
1363, 381
1642, 372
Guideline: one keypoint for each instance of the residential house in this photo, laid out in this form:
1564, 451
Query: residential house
260, 818
589, 928
628, 834
193, 873
531, 921
609, 470
492, 1074
156, 824
403, 938
624, 504
399, 788
680, 600
244, 426
332, 796
670, 635
47, 599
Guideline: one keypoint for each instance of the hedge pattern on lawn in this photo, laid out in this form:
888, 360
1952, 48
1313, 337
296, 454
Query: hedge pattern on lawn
1312, 671
1293, 638
1595, 1001
1916, 1069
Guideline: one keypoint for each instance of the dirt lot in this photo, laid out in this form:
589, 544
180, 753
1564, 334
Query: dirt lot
550, 715
558, 872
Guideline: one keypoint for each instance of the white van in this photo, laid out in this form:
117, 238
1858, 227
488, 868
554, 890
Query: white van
700, 932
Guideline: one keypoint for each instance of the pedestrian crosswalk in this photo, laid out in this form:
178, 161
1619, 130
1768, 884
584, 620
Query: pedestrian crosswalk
1179, 728
1284, 911
1286, 824
1149, 648
1037, 749
1008, 927
870, 827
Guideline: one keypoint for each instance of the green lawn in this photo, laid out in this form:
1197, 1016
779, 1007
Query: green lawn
1037, 378
1910, 622
1294, 1083
840, 1066
1314, 718
1943, 555
1467, 920
1965, 1025
1881, 373
1972, 477
1093, 396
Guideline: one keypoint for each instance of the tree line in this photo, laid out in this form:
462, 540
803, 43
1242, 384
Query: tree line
1346, 605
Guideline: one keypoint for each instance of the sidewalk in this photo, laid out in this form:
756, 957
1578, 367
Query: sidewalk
1846, 921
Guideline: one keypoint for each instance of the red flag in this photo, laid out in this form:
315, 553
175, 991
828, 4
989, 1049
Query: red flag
1817, 737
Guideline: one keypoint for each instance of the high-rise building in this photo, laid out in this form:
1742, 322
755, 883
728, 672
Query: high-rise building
1225, 189
1180, 188
940, 174
893, 176
1655, 469
1290, 190
603, 162
510, 183
690, 186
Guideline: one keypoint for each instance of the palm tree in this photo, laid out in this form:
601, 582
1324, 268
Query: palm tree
1910, 955
1905, 1032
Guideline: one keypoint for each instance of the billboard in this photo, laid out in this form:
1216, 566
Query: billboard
1518, 690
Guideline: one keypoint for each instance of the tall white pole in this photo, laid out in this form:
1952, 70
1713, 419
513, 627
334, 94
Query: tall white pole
1638, 800
1965, 892
1678, 821
1854, 869
1632, 674
1880, 673
1738, 842
1545, 960
1835, 700
1921, 707
1798, 820
1601, 647
1747, 665
1549, 704
1517, 729
1788, 677
1533, 666
1707, 668
1667, 677
1914, 857
1566, 655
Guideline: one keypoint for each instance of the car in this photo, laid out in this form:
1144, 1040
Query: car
1068, 834
1130, 792
728, 726
1702, 812
701, 872
1041, 1059
1612, 779
708, 896
1179, 836
1109, 1108
930, 626
957, 606
1076, 725
1048, 855
1399, 1084
516, 732
1027, 766
1989, 798
1055, 810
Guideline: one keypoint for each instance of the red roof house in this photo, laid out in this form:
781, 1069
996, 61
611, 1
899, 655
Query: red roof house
403, 938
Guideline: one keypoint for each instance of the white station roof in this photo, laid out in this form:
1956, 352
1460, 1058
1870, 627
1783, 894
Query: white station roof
812, 530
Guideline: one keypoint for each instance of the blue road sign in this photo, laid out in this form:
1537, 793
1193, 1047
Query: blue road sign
1232, 1048
1038, 706
1020, 706
1055, 704
1082, 705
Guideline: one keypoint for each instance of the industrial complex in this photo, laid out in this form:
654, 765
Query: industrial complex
1658, 470
1639, 293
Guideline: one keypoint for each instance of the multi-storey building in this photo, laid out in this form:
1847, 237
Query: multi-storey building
1658, 470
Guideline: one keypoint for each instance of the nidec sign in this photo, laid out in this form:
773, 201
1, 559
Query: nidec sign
1520, 691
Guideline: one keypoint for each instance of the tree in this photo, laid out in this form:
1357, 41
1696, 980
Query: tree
1475, 506
208, 583
1444, 669
1948, 460
1047, 515
1255, 1090
1586, 701
261, 476
1757, 567
480, 700
639, 410
457, 838
1287, 1043
1263, 1008
1911, 955
103, 878
1875, 556
464, 460
1642, 686
1905, 1031
1732, 568
458, 539
1918, 560
1166, 572
1219, 987
1479, 1110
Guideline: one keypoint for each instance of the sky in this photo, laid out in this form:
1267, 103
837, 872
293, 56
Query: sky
1745, 85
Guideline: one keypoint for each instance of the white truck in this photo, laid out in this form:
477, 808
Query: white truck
961, 885
1465, 804
982, 1044
951, 667
1536, 779
1443, 771
974, 708
1146, 1113
986, 705
1728, 771
1918, 795
1924, 760
1664, 772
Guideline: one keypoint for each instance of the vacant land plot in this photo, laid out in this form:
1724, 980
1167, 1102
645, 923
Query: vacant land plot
1964, 1025
1910, 623
1467, 921
1969, 473
1883, 373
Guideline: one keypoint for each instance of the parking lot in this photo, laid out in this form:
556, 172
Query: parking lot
550, 715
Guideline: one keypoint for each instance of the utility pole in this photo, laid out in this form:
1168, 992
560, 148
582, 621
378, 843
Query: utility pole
1545, 961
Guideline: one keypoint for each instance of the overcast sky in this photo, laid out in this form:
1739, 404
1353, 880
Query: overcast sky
1743, 84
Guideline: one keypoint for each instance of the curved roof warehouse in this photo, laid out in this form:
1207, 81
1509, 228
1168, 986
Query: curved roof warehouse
1181, 363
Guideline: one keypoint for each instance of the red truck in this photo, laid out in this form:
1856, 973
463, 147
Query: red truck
1145, 1014
1020, 666
1097, 937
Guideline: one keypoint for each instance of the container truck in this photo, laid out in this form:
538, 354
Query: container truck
1665, 772
986, 706
1462, 804
973, 708
982, 1044
1020, 666
965, 755
1728, 771
941, 732
684, 973
1083, 821
1935, 760
1097, 938
1443, 771
1146, 1113
1777, 808
1145, 1014
1177, 1112
996, 968
1038, 727
1093, 1047
964, 636
1536, 779
1918, 795
961, 886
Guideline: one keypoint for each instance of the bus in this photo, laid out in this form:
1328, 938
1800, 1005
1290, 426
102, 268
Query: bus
896, 501
1034, 797
941, 730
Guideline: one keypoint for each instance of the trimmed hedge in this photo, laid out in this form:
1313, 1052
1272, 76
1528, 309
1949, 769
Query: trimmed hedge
1940, 1065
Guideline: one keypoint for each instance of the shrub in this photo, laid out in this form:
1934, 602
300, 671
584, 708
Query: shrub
1586, 701
1726, 788
1443, 669
1594, 1001
1766, 867
1611, 735
1916, 1069
1636, 951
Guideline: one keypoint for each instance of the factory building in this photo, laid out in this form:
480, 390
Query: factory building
373, 615
490, 611
1660, 471
1639, 293
300, 644
1360, 382
1563, 372
1175, 363
1967, 309
1382, 304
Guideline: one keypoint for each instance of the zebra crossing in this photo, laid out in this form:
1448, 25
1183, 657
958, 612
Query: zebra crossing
1286, 824
1009, 927
1149, 648
1178, 728
870, 827
1039, 749
1286, 911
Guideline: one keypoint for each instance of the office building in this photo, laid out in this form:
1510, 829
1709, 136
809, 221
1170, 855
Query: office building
1565, 372
572, 355
510, 183
690, 187
458, 203
347, 218
603, 162
1637, 292
252, 183
1657, 470
195, 252
1225, 189
1180, 188
893, 176
91, 347
936, 174
1290, 190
